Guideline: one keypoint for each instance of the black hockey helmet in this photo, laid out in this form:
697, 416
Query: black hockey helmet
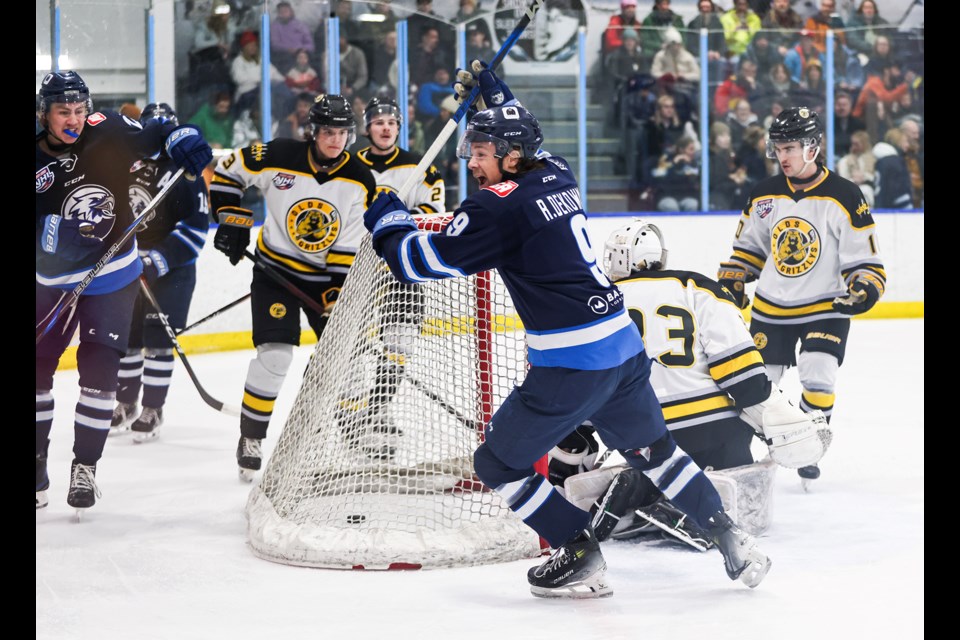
381, 106
63, 87
510, 127
161, 111
332, 111
795, 123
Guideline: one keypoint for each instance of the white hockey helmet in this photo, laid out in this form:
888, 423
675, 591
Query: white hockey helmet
637, 246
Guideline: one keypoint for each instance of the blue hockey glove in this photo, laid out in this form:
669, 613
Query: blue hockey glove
386, 214
863, 293
233, 234
154, 266
68, 237
494, 92
734, 276
187, 148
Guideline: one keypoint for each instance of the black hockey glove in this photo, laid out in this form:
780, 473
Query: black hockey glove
864, 291
233, 234
154, 266
494, 92
574, 454
70, 238
187, 148
734, 276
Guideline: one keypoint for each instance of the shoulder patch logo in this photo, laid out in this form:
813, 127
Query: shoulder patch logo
795, 246
95, 118
44, 179
763, 207
503, 189
283, 181
863, 209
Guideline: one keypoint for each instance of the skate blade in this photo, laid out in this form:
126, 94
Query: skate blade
42, 499
806, 484
755, 571
593, 587
247, 475
118, 431
145, 436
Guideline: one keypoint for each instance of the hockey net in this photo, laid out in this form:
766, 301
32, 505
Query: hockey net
374, 468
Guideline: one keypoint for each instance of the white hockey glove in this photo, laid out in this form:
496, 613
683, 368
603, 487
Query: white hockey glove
791, 435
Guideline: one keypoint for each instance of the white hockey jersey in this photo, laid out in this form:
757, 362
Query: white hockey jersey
805, 246
702, 351
392, 171
314, 221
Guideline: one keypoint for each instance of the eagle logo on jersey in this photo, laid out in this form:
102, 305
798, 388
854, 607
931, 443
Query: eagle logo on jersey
795, 246
44, 179
90, 203
313, 224
139, 199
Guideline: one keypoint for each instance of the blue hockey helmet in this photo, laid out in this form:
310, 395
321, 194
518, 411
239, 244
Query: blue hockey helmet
510, 127
160, 111
63, 87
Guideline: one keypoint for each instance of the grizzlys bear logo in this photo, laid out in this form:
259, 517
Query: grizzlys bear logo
313, 224
795, 246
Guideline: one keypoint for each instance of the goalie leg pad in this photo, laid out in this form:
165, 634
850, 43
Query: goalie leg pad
750, 488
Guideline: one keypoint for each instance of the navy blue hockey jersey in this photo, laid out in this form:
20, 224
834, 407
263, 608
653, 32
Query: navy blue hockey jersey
532, 229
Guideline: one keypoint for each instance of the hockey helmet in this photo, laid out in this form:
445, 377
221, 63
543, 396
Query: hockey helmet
160, 111
796, 123
63, 87
381, 107
510, 127
332, 111
637, 246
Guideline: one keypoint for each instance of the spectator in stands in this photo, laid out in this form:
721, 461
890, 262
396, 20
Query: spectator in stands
622, 64
383, 57
372, 35
416, 140
742, 85
209, 56
288, 36
892, 177
428, 57
469, 13
797, 57
663, 131
673, 58
446, 161
431, 94
822, 21
782, 24
881, 56
776, 85
654, 26
677, 178
864, 27
776, 106
297, 122
246, 73
763, 53
215, 119
739, 118
813, 88
752, 153
859, 164
626, 19
302, 76
878, 103
739, 26
478, 45
708, 17
844, 123
353, 69
246, 127
729, 185
913, 156
848, 74
425, 17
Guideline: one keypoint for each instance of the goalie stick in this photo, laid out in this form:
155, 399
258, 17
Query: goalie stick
210, 400
431, 153
68, 300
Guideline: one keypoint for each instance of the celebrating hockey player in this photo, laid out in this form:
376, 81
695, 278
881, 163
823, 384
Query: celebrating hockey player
712, 386
83, 209
586, 356
169, 248
806, 235
315, 192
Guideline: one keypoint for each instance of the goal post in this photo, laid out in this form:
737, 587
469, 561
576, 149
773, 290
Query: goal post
374, 467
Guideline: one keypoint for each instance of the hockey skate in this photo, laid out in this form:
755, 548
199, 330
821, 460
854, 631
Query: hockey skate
675, 525
742, 557
123, 416
808, 475
83, 491
43, 481
249, 457
623, 494
575, 570
147, 426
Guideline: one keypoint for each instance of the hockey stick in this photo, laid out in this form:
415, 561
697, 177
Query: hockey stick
214, 314
68, 300
474, 425
210, 400
286, 284
431, 154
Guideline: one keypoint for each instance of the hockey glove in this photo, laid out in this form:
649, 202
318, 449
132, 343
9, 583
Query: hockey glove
154, 266
70, 238
733, 276
187, 148
386, 214
494, 92
865, 290
233, 234
574, 454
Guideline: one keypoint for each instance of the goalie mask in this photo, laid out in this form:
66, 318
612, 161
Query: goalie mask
637, 246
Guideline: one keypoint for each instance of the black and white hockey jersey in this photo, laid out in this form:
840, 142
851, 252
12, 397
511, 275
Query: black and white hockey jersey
392, 171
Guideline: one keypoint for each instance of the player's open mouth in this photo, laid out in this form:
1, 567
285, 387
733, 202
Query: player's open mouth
481, 180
